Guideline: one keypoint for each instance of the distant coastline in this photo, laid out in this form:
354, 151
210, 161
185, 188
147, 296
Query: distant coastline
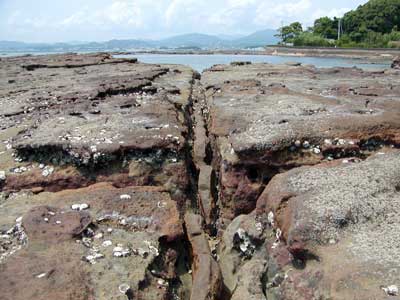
372, 55
369, 56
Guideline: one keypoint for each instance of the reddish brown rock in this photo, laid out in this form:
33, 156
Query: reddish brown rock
207, 278
266, 119
53, 225
331, 217
53, 271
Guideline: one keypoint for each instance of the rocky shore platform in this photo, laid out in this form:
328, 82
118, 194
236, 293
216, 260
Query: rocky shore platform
367, 55
123, 180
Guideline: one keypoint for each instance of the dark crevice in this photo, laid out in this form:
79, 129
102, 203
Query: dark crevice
122, 91
33, 67
192, 191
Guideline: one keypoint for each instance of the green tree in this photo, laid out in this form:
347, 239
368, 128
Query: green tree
326, 27
289, 32
376, 15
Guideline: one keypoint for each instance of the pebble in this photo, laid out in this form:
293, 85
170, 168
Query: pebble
121, 252
124, 288
47, 171
93, 257
162, 282
125, 197
152, 249
87, 242
271, 218
99, 236
80, 207
306, 144
297, 144
259, 226
107, 243
391, 290
317, 150
41, 275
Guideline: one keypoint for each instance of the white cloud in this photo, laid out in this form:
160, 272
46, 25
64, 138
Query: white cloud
104, 19
118, 13
272, 13
335, 12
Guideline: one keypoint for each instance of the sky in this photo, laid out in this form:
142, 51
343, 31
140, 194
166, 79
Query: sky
100, 20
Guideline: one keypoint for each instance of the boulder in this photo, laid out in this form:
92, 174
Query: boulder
336, 220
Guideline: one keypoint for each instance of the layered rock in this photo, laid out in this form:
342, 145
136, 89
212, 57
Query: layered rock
92, 119
95, 158
266, 119
122, 180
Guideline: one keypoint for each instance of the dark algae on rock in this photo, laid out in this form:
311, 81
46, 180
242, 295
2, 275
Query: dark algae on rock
122, 180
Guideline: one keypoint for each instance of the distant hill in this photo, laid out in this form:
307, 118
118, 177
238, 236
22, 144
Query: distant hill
230, 37
192, 40
257, 39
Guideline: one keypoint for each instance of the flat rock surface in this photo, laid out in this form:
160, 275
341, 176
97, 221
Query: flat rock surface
265, 119
121, 180
56, 246
109, 104
267, 108
72, 120
93, 149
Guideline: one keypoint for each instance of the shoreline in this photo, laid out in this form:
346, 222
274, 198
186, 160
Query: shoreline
372, 56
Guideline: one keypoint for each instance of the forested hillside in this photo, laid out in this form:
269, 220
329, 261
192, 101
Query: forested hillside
374, 24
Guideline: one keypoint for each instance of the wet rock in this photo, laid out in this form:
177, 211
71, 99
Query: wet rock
240, 63
293, 64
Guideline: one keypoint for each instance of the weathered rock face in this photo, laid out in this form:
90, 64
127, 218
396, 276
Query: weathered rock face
93, 119
266, 119
337, 221
94, 152
121, 180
